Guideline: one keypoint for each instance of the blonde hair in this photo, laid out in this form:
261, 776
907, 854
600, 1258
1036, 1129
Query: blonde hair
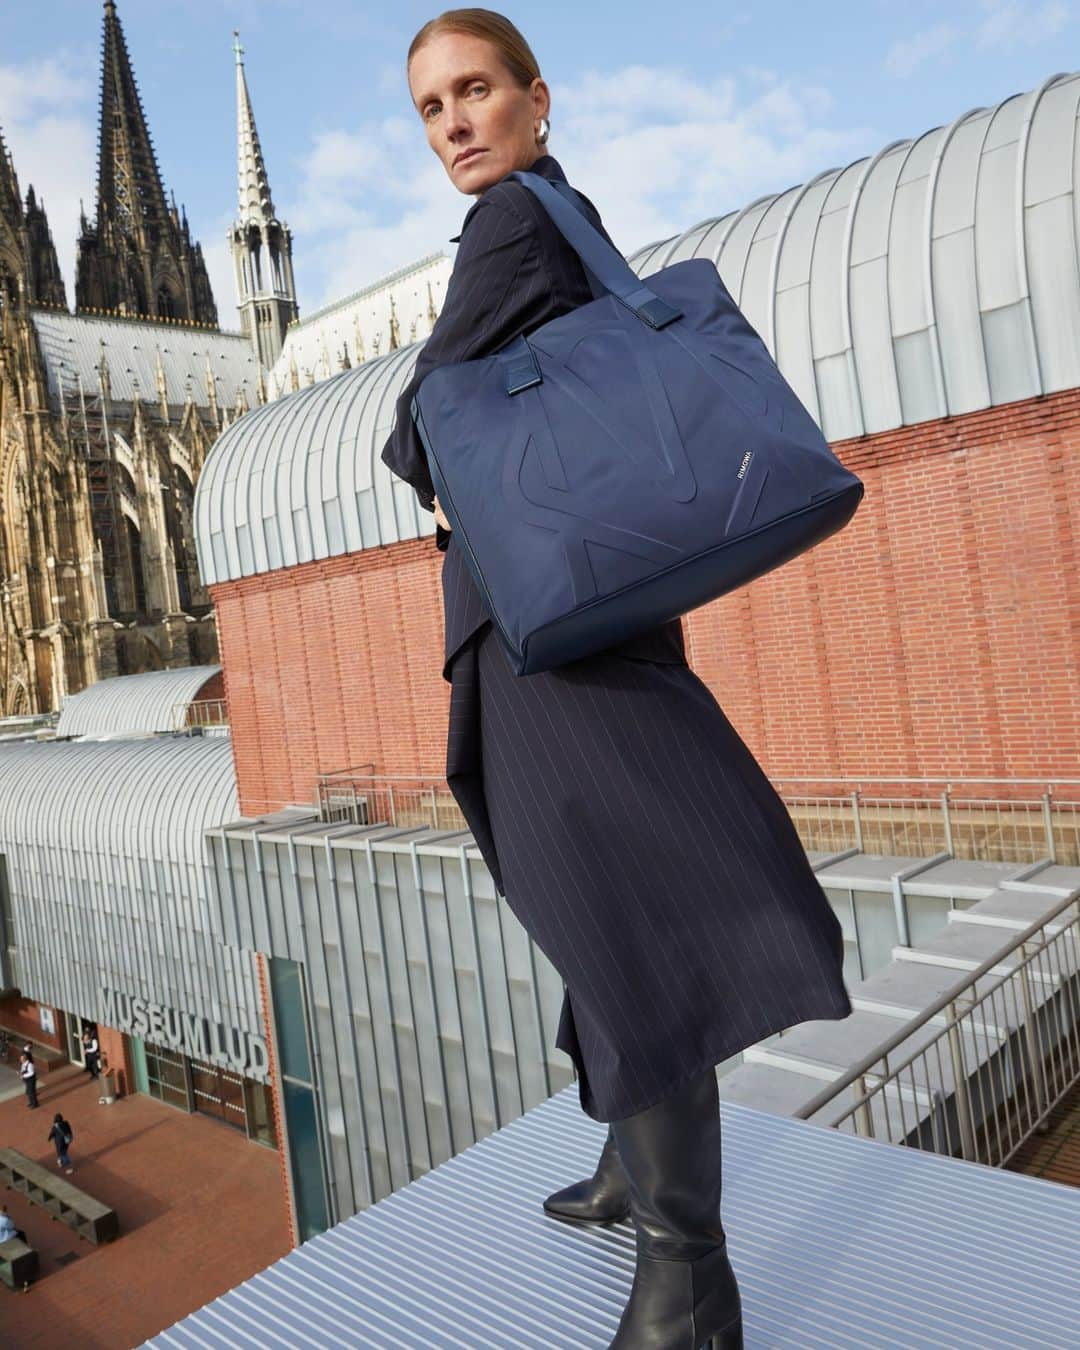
494, 28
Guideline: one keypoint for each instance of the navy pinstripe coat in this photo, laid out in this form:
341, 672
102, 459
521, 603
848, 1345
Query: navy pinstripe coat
627, 824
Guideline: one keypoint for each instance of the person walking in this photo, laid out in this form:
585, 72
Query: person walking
627, 824
28, 1072
91, 1052
60, 1136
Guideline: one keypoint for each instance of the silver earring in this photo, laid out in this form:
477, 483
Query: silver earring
544, 132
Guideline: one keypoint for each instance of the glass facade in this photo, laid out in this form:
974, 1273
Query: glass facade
192, 1085
167, 1077
299, 1099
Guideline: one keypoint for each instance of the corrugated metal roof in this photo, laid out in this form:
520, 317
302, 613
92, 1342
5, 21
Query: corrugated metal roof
151, 798
838, 1242
133, 703
933, 278
71, 347
107, 865
301, 478
936, 277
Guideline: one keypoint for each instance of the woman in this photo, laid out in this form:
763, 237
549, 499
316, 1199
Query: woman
620, 814
60, 1136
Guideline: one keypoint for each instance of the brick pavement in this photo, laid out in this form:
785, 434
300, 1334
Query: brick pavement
1056, 1154
200, 1210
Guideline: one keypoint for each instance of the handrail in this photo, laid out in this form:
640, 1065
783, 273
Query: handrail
908, 1029
941, 778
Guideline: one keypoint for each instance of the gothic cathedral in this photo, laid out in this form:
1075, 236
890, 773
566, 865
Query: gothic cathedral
107, 413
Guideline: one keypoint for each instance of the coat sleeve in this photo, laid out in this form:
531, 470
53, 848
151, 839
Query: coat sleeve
496, 291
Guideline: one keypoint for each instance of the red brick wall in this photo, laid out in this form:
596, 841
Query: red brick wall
276, 1096
938, 634
213, 688
20, 1017
332, 665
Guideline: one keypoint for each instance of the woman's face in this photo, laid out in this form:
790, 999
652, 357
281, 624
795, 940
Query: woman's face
480, 123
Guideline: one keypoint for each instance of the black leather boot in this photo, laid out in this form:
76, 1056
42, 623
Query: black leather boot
604, 1198
685, 1295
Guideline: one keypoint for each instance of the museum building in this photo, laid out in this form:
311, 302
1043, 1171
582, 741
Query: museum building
106, 910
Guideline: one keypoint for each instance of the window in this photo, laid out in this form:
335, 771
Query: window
166, 1076
298, 1097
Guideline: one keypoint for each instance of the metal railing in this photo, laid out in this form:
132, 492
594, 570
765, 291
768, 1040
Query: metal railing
1018, 820
1006, 1052
982, 819
205, 712
406, 800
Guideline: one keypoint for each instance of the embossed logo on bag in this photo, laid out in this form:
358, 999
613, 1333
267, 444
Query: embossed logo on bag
745, 464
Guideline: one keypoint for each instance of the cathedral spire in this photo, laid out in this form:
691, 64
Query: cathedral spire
134, 259
261, 244
129, 184
10, 197
12, 256
254, 185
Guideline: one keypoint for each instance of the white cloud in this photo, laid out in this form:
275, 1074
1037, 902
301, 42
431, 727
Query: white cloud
50, 126
907, 54
217, 255
654, 148
1007, 23
41, 85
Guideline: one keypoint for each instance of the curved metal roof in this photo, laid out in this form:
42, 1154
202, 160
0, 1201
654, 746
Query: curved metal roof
301, 478
153, 798
107, 862
133, 703
933, 278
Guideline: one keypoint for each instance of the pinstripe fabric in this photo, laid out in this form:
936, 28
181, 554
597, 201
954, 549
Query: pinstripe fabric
628, 826
643, 848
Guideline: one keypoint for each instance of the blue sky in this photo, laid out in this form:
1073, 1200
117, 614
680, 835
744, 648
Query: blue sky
664, 113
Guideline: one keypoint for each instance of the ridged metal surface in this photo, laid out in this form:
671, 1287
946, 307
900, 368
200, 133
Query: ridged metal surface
936, 277
838, 1243
107, 867
432, 1014
135, 703
301, 478
71, 346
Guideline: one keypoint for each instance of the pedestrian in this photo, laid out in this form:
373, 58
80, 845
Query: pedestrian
28, 1072
91, 1052
7, 1227
61, 1136
629, 827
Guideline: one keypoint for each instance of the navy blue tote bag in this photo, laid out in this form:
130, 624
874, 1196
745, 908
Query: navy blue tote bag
626, 462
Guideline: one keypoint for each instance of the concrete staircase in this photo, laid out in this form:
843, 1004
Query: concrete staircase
782, 1075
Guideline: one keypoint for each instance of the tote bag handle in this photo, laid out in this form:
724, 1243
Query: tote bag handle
605, 263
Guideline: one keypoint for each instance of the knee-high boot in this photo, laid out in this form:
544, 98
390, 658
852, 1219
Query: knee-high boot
685, 1295
603, 1198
